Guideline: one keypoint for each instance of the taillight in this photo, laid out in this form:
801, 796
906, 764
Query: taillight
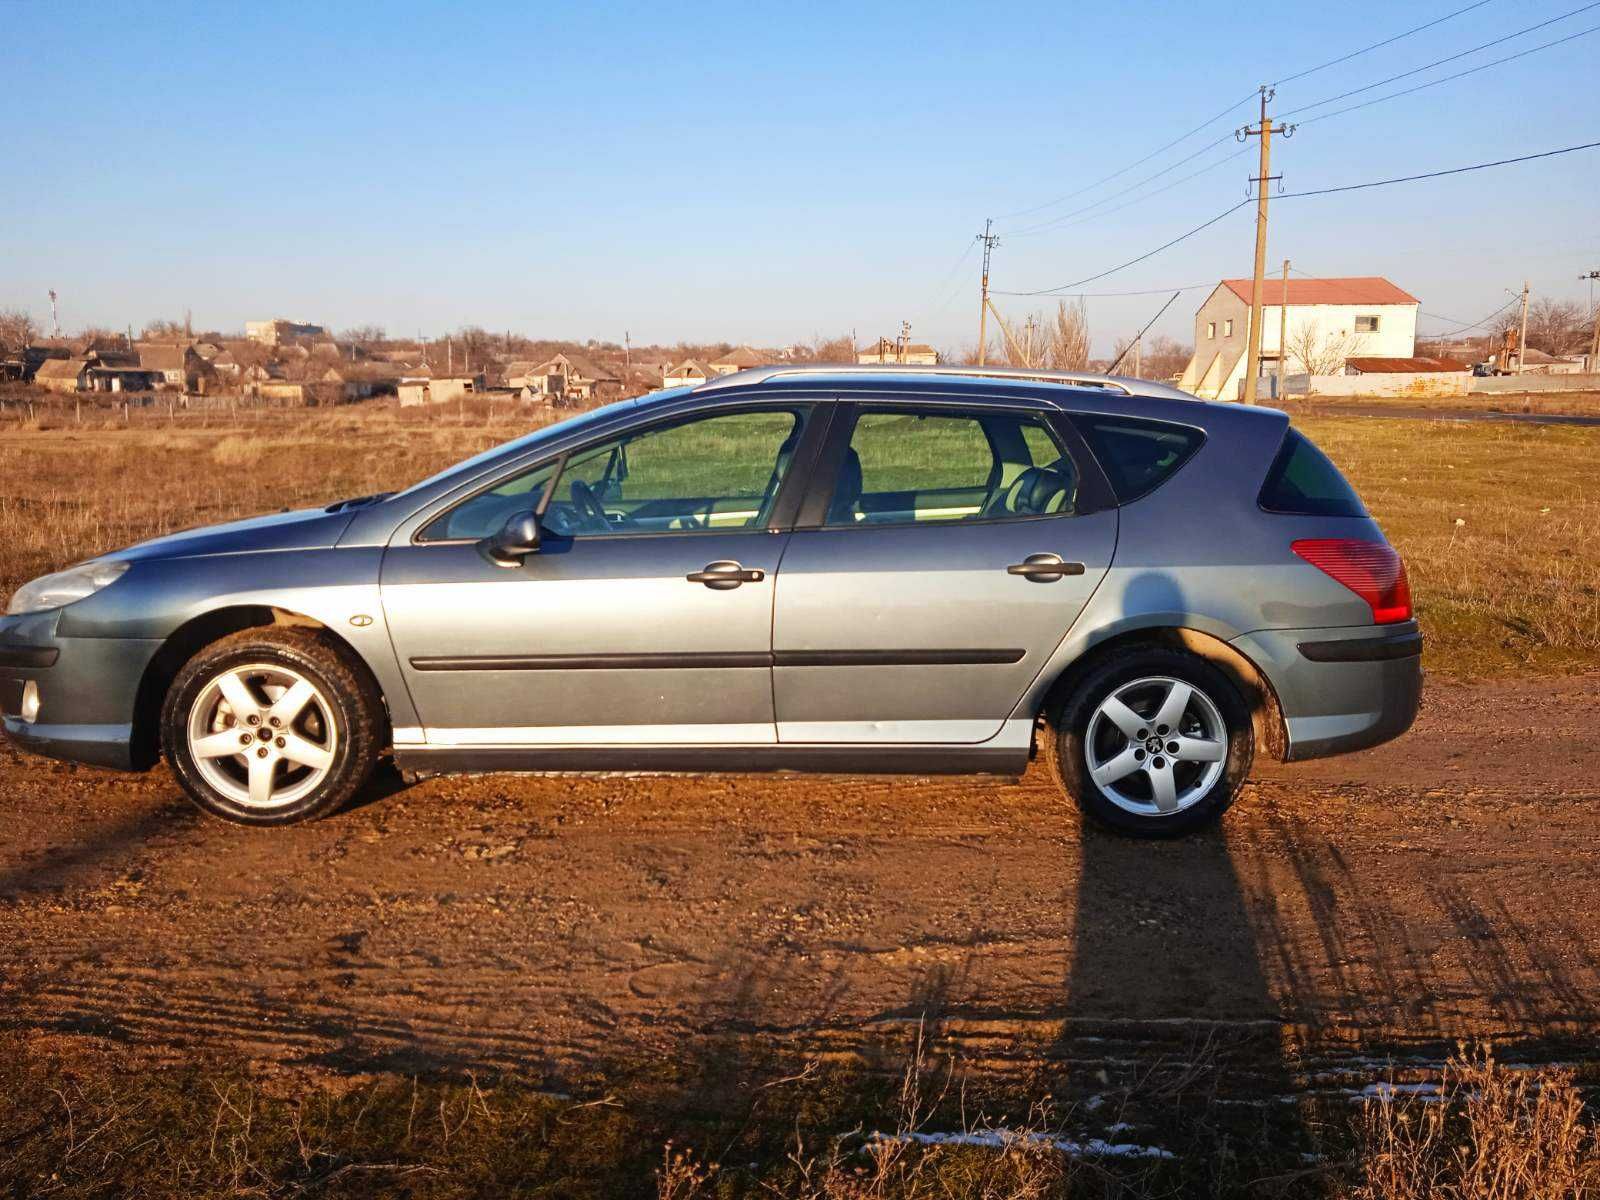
1372, 570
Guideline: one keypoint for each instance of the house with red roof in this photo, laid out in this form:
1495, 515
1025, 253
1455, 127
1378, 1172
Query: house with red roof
1324, 324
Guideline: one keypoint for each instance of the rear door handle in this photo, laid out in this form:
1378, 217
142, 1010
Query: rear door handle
725, 575
1044, 568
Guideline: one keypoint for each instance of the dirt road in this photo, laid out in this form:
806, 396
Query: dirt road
1387, 903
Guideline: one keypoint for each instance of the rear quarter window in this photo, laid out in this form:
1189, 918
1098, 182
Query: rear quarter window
1303, 481
1137, 455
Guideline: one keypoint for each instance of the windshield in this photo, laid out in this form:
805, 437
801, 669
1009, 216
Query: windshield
560, 428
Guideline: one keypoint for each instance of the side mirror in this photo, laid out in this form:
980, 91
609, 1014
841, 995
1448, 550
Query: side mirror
518, 538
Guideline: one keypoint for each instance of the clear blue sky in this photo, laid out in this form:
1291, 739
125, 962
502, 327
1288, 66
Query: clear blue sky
751, 172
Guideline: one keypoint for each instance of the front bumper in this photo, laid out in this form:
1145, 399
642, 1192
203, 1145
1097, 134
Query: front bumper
87, 690
1340, 689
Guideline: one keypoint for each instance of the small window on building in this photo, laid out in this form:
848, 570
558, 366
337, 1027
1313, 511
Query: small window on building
1211, 329
1367, 324
1227, 329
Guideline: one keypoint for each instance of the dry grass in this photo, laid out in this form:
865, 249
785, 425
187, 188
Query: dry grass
1500, 529
1499, 524
1489, 1133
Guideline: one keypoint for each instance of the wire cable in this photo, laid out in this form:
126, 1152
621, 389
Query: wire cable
1161, 291
1483, 166
1339, 112
1067, 219
1439, 62
1023, 212
1352, 187
1343, 58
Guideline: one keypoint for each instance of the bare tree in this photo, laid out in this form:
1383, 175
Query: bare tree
162, 330
840, 349
1319, 353
1067, 337
1559, 327
365, 336
17, 330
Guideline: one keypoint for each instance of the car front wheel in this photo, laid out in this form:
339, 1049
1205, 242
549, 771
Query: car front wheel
270, 727
1153, 742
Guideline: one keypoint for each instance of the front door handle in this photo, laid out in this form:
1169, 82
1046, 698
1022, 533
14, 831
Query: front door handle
1044, 568
725, 575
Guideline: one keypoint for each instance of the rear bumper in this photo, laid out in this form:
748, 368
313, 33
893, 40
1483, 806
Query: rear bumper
1340, 689
86, 687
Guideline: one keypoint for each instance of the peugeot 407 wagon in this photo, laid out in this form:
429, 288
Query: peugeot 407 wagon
848, 570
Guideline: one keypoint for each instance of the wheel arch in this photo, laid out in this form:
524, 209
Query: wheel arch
1266, 714
194, 635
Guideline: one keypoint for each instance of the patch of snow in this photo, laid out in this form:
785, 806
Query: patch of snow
999, 1139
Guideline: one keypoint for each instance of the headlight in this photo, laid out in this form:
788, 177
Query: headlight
75, 583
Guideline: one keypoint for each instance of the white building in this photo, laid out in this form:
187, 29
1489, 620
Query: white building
279, 330
1329, 321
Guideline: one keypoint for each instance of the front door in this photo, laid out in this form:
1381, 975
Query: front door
644, 618
952, 557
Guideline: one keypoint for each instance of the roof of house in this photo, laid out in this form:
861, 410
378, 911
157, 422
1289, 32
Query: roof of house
521, 366
60, 368
1356, 289
742, 357
887, 346
690, 366
1406, 366
162, 357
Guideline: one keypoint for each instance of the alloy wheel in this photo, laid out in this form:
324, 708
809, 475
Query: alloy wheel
262, 735
1156, 746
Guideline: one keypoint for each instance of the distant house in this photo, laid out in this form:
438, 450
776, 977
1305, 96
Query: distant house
891, 351
281, 391
207, 350
440, 389
1327, 322
179, 365
64, 375
519, 373
570, 377
279, 330
224, 363
690, 372
741, 359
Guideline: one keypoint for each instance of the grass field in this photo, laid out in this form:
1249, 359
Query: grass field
1499, 524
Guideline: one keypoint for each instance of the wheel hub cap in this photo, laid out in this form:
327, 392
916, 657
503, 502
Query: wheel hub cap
1156, 746
262, 735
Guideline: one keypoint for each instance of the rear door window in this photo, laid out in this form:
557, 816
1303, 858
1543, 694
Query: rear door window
907, 466
1137, 455
1304, 481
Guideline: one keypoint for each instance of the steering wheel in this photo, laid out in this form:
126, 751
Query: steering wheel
589, 507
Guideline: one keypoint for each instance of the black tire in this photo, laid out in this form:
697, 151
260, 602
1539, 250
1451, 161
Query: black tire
1069, 723
346, 700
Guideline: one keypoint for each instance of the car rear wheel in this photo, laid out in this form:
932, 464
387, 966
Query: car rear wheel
271, 726
1153, 742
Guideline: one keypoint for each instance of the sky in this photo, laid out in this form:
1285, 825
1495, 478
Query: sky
760, 173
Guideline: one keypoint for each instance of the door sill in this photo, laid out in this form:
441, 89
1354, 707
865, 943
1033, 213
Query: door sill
903, 759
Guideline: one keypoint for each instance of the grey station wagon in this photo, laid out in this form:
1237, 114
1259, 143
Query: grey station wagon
828, 569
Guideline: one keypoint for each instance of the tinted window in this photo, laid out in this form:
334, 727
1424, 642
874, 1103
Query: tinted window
905, 467
1304, 480
1137, 455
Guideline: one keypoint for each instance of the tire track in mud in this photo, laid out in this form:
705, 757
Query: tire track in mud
1346, 911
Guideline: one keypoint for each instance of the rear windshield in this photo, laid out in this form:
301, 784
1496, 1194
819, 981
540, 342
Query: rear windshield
1136, 455
1304, 481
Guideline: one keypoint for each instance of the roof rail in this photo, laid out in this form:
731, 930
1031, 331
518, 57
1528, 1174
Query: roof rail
1120, 383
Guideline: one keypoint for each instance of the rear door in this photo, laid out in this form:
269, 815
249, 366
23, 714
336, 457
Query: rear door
940, 558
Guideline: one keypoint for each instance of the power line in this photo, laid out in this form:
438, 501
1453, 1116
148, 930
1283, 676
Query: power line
1333, 62
1464, 326
1131, 166
1066, 220
1483, 166
1068, 287
1339, 112
1439, 62
1161, 291
1353, 187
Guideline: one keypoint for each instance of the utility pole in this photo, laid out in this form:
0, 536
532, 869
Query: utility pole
1264, 131
55, 317
990, 241
1522, 338
627, 349
1594, 348
1138, 360
905, 341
